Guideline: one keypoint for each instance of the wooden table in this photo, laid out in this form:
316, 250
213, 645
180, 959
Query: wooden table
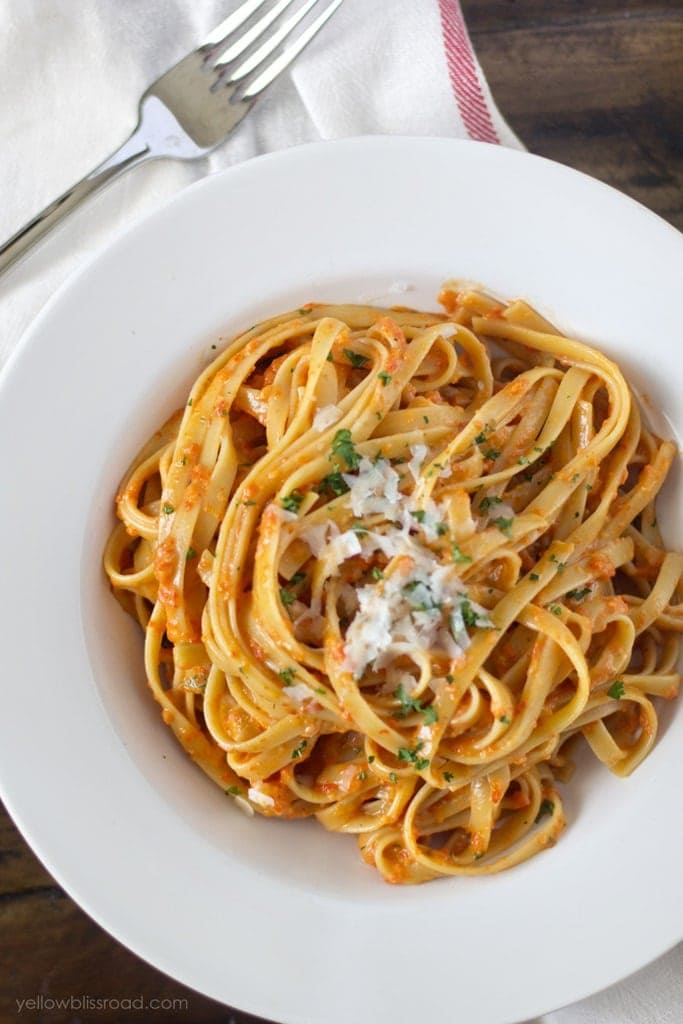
598, 86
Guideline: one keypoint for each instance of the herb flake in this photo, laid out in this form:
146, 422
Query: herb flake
292, 502
355, 358
504, 525
547, 807
458, 556
344, 448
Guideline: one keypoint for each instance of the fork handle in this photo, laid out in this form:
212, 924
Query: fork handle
132, 152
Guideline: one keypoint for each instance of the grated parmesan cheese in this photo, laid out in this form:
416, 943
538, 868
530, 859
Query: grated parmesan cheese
299, 693
326, 416
259, 798
421, 606
374, 489
317, 535
346, 545
419, 454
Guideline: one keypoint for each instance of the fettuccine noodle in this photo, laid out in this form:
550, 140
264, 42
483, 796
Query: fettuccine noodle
390, 565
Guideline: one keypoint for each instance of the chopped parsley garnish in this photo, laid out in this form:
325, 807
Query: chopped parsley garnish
441, 529
343, 446
555, 560
547, 807
458, 555
616, 690
333, 483
534, 576
469, 616
492, 454
485, 503
504, 719
286, 595
393, 777
419, 514
481, 438
359, 529
522, 461
384, 377
371, 758
234, 791
287, 675
578, 595
412, 756
298, 751
450, 679
355, 358
292, 502
555, 609
362, 776
448, 776
504, 525
377, 573
167, 509
191, 553
410, 704
249, 501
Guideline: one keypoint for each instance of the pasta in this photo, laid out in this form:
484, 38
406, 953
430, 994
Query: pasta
391, 566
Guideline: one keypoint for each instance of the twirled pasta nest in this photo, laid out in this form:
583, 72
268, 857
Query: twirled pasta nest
391, 564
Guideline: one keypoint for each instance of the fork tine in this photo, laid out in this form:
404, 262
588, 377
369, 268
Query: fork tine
256, 58
252, 34
276, 67
228, 26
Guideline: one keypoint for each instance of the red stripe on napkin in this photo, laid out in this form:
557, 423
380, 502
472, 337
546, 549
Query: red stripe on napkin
463, 74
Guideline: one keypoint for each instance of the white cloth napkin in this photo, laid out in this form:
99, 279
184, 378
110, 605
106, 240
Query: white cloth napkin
72, 73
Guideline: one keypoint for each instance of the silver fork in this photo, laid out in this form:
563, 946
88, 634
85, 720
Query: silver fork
197, 103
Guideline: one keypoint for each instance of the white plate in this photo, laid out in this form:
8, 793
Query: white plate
282, 919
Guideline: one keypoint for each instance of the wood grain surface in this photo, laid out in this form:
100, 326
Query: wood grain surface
597, 86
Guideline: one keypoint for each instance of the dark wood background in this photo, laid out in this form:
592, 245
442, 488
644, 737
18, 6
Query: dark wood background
598, 86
